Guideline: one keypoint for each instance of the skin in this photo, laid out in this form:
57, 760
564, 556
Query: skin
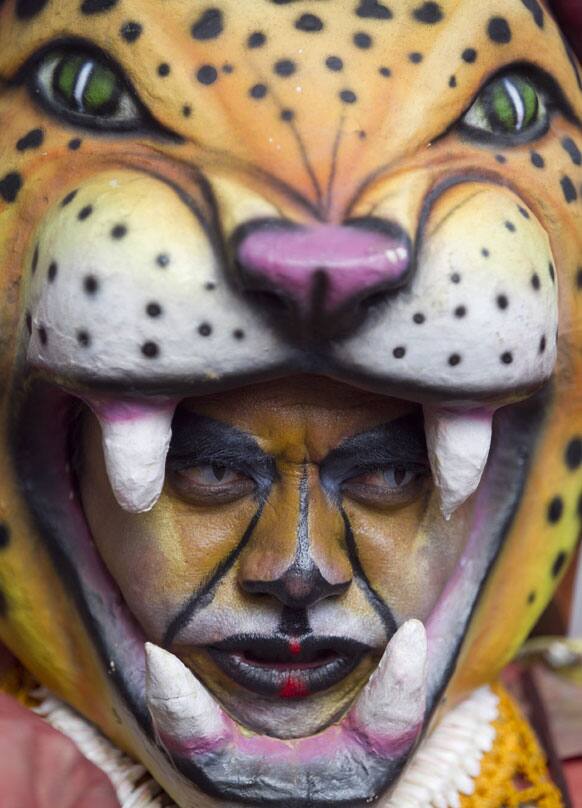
159, 559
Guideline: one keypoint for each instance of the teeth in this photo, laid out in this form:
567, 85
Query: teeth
392, 704
458, 447
136, 437
180, 707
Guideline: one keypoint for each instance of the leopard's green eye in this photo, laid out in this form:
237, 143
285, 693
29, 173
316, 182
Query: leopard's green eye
86, 89
509, 105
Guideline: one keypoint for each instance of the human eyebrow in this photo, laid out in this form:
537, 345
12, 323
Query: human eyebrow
401, 441
198, 440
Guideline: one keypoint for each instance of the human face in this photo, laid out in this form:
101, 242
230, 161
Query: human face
297, 529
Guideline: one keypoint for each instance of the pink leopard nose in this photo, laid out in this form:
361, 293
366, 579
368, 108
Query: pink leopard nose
324, 269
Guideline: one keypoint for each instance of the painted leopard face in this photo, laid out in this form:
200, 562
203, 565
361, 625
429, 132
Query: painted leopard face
200, 206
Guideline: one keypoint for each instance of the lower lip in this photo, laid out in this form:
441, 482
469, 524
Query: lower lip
286, 681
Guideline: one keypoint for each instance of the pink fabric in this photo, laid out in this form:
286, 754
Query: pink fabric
40, 768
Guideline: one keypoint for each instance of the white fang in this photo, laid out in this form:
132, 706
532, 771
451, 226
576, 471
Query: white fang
136, 438
393, 702
180, 706
458, 443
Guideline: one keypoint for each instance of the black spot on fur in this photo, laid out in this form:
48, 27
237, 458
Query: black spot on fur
469, 55
27, 9
362, 40
309, 22
83, 338
207, 74
334, 63
537, 160
91, 285
555, 510
558, 564
374, 10
69, 198
205, 329
118, 232
32, 140
415, 57
348, 96
209, 25
285, 67
499, 31
569, 189
536, 11
4, 535
164, 69
579, 279
85, 212
572, 149
97, 6
429, 13
75, 143
399, 352
131, 31
256, 40
153, 310
10, 186
573, 455
531, 598
150, 350
258, 91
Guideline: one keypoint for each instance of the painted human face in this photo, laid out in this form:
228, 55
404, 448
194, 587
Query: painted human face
297, 529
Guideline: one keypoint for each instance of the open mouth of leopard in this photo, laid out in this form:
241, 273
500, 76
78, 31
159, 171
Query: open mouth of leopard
292, 670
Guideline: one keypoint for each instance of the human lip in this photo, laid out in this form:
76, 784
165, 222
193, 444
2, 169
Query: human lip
290, 668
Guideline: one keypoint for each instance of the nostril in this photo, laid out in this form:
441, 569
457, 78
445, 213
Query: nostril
270, 301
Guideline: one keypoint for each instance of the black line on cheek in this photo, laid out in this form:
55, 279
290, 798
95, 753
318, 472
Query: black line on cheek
381, 608
206, 593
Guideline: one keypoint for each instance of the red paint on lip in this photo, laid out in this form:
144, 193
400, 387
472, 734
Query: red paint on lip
294, 689
295, 647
